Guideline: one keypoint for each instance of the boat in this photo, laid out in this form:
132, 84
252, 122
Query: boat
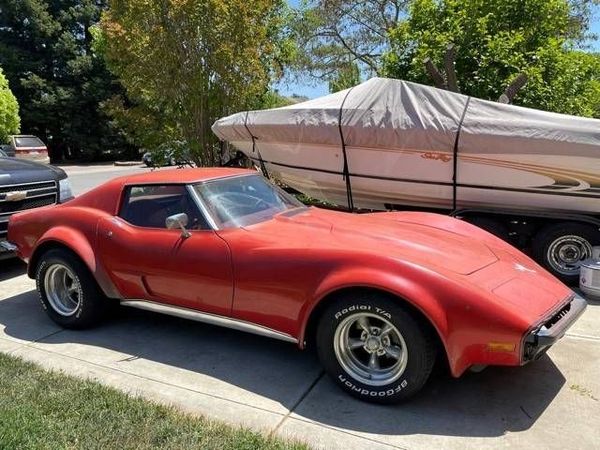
388, 144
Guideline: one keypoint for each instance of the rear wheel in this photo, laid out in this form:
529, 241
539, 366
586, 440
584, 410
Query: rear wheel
373, 348
562, 247
68, 292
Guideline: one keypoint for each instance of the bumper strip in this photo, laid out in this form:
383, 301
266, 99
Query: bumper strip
6, 246
541, 339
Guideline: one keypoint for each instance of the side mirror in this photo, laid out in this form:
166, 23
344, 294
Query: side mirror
178, 221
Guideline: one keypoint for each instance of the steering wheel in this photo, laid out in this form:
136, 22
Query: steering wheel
230, 200
228, 205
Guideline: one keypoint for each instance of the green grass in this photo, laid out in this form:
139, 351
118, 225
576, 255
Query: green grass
49, 410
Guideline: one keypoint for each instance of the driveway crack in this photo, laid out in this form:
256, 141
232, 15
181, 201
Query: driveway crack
40, 339
297, 403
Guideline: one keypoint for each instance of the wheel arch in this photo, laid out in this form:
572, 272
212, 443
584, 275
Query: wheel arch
76, 243
429, 312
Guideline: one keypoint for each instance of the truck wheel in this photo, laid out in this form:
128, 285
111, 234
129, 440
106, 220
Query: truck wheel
68, 291
561, 247
374, 349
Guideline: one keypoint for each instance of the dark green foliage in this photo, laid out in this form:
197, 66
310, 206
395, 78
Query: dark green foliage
495, 41
45, 50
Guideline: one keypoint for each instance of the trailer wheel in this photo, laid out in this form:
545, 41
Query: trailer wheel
561, 247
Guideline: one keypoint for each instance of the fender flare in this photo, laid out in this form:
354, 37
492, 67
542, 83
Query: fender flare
398, 286
78, 243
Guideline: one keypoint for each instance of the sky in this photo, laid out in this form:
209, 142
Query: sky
317, 89
304, 88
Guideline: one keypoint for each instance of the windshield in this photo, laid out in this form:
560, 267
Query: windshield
241, 201
28, 141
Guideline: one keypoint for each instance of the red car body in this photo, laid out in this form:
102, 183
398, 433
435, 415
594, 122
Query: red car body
483, 297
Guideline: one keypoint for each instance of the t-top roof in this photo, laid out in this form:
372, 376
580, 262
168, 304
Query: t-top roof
191, 175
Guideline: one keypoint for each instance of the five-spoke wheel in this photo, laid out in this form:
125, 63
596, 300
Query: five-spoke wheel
68, 291
370, 348
62, 289
375, 346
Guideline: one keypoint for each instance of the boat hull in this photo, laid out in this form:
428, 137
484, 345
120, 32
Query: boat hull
384, 179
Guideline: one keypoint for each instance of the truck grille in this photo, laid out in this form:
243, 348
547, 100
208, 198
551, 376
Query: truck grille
35, 195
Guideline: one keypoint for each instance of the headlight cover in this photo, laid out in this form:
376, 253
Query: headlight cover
66, 191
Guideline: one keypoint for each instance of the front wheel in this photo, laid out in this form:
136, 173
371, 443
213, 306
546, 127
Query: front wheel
68, 291
374, 348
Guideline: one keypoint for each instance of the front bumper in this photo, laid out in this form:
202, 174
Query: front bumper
7, 250
6, 246
538, 341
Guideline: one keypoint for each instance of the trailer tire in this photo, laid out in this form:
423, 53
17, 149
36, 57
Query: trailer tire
561, 247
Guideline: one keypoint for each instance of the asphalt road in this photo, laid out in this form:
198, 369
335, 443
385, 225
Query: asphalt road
85, 178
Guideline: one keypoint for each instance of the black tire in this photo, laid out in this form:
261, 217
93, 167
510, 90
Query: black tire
92, 306
415, 335
546, 245
492, 226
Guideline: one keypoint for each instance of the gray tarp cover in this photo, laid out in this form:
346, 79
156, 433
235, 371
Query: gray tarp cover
398, 114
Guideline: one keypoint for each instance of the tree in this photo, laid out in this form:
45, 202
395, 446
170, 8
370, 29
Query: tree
273, 99
9, 111
346, 77
185, 63
334, 35
45, 49
495, 40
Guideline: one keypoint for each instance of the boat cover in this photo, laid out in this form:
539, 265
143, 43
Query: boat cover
394, 114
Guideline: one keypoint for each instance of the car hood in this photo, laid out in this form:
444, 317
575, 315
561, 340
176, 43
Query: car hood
421, 244
15, 171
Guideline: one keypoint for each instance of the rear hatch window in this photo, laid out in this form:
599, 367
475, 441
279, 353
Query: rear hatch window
28, 141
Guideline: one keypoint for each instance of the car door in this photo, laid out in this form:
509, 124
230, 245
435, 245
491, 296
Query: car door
146, 261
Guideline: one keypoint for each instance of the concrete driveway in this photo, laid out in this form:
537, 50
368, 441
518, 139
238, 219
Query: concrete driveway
273, 387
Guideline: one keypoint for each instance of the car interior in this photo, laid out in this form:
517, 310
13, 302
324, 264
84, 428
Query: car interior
149, 206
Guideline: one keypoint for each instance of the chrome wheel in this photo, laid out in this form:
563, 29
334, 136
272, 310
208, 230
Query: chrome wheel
62, 289
370, 349
566, 253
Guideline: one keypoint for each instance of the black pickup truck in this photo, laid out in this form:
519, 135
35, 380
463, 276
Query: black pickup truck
26, 185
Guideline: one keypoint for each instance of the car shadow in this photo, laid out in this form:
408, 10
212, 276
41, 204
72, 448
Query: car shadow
486, 404
11, 268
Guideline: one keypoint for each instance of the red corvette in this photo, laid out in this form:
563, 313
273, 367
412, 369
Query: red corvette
381, 296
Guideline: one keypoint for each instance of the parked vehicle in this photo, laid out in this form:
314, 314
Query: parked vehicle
26, 185
528, 176
380, 295
149, 161
173, 153
27, 147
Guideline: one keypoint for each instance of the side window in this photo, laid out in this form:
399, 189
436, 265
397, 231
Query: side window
149, 206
